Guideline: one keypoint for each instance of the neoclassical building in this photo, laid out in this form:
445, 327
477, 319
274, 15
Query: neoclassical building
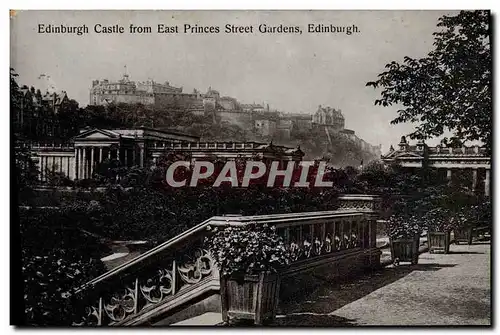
474, 159
141, 147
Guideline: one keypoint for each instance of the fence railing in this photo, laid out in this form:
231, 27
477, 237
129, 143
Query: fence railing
181, 269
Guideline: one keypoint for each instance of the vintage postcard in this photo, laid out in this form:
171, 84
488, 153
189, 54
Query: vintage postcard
251, 168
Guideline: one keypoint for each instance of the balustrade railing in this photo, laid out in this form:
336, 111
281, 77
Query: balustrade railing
204, 145
181, 269
472, 150
51, 146
210, 145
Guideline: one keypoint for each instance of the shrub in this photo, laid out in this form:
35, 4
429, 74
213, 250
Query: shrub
440, 219
247, 250
406, 227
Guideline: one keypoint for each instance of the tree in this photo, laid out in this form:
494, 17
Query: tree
25, 168
450, 88
15, 97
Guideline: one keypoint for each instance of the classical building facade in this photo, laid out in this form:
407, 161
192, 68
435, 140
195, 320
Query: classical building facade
473, 159
141, 147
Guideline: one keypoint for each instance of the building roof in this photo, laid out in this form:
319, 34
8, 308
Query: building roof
135, 132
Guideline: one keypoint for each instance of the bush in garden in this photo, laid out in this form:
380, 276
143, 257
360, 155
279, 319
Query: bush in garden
50, 280
439, 219
403, 227
57, 257
247, 250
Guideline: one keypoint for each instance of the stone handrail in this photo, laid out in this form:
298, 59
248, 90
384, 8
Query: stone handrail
205, 145
52, 145
181, 269
211, 145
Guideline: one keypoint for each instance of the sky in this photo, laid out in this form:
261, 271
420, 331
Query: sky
291, 72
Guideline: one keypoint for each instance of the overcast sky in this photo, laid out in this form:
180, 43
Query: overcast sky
291, 72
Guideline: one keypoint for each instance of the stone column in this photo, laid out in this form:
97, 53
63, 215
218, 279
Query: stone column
75, 165
125, 157
84, 161
448, 174
474, 179
81, 164
141, 157
101, 149
487, 183
68, 167
109, 153
91, 161
42, 168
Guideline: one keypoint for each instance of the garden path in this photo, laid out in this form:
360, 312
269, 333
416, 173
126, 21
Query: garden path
453, 289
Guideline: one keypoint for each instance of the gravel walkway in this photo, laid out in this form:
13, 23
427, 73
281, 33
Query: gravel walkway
451, 289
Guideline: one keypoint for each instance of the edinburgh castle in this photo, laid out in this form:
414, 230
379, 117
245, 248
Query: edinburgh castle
259, 117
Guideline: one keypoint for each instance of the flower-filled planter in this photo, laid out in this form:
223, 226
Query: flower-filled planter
404, 239
440, 223
463, 234
248, 259
439, 242
466, 220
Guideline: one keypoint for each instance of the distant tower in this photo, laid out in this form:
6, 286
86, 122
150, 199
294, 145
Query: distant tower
125, 74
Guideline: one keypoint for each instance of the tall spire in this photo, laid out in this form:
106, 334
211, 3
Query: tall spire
125, 74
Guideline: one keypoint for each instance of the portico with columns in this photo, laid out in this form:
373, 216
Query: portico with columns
80, 158
141, 147
96, 146
472, 158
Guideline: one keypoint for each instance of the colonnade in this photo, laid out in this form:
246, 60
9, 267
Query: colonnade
88, 157
59, 163
487, 179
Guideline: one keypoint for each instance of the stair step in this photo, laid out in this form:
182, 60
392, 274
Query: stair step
207, 319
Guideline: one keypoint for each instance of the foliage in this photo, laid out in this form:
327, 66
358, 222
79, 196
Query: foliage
25, 168
339, 150
450, 88
439, 219
247, 250
49, 282
485, 212
405, 218
57, 257
158, 213
404, 227
55, 178
476, 214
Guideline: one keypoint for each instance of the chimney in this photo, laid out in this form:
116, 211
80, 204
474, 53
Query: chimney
420, 145
403, 145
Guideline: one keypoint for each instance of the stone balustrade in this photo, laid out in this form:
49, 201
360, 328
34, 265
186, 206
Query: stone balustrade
51, 146
181, 270
206, 145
